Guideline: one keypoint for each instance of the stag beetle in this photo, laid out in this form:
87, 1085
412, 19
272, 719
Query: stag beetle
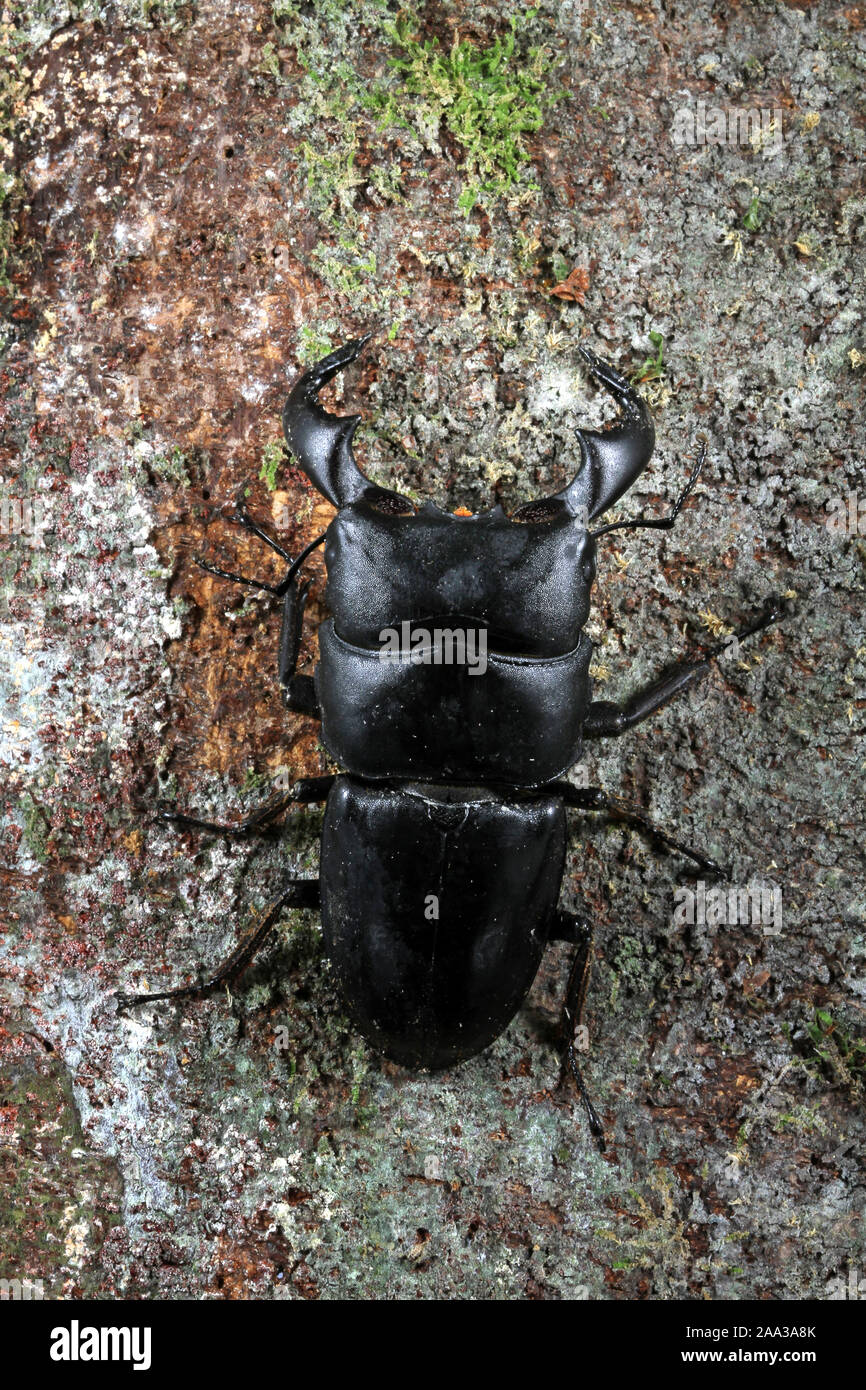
444, 837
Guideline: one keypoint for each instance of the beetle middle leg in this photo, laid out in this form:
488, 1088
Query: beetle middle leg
597, 799
300, 892
569, 927
305, 791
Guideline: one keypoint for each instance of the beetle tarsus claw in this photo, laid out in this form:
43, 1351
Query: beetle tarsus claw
596, 1128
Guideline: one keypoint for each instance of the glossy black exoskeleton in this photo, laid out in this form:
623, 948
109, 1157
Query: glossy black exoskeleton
444, 838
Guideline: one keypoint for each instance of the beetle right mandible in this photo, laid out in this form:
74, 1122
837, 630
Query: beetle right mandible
444, 836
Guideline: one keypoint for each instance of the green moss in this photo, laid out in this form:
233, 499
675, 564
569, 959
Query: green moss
8, 225
253, 780
754, 217
332, 178
37, 827
57, 1187
272, 456
270, 62
314, 343
347, 272
653, 368
13, 92
559, 267
489, 99
803, 1119
837, 1051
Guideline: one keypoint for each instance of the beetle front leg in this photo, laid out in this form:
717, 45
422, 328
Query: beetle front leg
242, 518
606, 719
301, 892
299, 692
569, 927
664, 523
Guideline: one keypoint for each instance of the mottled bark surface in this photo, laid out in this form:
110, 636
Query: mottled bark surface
202, 197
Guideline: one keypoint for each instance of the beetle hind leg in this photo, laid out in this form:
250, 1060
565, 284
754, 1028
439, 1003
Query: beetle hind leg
569, 927
300, 892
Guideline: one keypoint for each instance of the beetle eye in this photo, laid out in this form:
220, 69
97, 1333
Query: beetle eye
389, 503
546, 509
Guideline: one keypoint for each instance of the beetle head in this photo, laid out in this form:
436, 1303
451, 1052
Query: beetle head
611, 460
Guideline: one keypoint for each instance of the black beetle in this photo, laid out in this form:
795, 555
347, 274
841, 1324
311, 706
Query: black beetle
443, 844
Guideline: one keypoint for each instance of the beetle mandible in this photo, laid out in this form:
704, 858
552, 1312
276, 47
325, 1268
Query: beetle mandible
444, 836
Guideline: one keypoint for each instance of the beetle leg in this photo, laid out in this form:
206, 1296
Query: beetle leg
596, 799
307, 790
242, 518
300, 696
606, 719
294, 603
236, 578
285, 584
301, 892
299, 692
569, 927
